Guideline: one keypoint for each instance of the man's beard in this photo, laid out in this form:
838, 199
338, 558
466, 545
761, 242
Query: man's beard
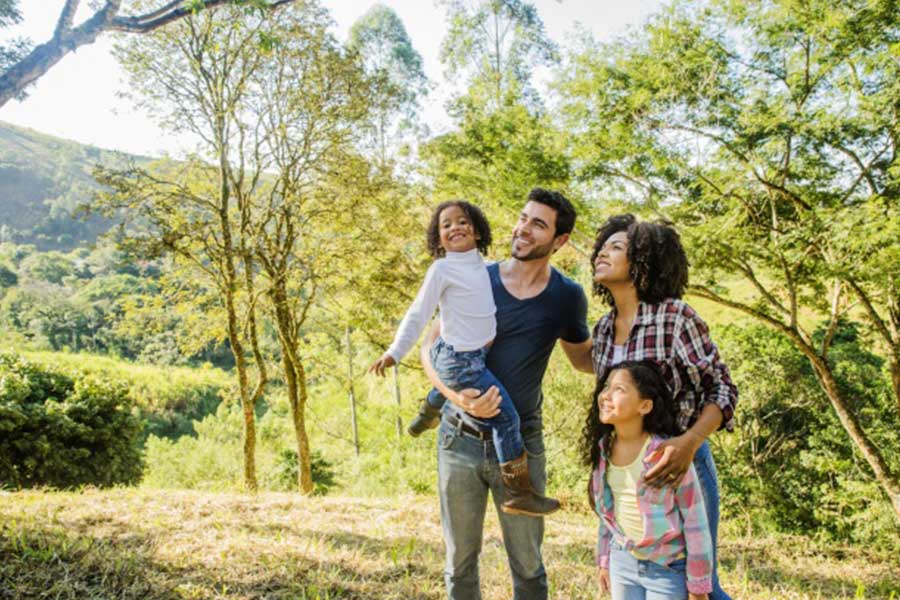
535, 253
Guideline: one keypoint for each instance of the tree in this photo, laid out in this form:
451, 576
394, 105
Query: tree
21, 68
495, 45
196, 77
381, 41
315, 96
768, 131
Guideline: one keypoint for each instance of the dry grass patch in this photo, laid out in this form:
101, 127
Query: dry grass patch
177, 545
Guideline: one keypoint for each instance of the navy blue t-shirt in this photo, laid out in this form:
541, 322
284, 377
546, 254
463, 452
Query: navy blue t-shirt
527, 330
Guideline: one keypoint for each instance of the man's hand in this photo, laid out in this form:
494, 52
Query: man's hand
603, 580
480, 406
698, 596
381, 364
673, 459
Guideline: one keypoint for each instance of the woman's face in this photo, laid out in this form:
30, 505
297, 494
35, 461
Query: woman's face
611, 265
620, 400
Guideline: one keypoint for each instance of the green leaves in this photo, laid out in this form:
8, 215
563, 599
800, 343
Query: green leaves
64, 431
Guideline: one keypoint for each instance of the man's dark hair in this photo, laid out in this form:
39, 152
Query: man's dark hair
565, 212
479, 222
648, 379
657, 263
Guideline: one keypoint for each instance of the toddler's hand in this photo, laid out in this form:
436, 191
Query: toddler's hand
603, 580
381, 364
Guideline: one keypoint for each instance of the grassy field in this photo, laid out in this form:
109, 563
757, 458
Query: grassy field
143, 543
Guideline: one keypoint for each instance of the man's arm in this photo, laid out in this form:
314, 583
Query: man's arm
481, 406
579, 355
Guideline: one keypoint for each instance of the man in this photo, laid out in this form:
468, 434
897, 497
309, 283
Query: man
536, 305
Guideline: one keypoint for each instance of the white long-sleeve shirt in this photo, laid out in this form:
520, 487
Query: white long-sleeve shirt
461, 286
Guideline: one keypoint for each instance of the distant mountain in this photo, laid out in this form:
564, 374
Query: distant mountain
43, 179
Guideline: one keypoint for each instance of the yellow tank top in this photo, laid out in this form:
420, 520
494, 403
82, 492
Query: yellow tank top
623, 482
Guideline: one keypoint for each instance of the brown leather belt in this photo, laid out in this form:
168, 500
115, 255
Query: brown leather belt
464, 427
484, 436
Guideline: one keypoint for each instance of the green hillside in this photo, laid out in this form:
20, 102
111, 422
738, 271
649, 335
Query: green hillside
43, 180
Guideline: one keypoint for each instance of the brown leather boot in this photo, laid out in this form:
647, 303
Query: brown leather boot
521, 497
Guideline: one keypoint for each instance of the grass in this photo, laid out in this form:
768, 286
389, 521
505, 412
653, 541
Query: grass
144, 543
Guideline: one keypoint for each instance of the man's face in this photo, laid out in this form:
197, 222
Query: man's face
534, 236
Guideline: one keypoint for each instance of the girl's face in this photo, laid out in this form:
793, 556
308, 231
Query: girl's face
457, 233
611, 264
620, 401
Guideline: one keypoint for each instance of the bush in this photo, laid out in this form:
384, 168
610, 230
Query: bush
790, 465
283, 475
64, 431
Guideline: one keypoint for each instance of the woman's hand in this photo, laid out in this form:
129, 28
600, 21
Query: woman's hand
698, 596
381, 364
673, 459
603, 580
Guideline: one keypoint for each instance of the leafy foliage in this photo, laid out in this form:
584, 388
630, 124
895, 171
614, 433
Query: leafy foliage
788, 464
62, 431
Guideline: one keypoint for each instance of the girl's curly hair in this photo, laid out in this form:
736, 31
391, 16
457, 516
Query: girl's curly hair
648, 378
657, 263
479, 224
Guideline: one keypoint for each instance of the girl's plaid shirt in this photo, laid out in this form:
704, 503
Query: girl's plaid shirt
673, 335
674, 520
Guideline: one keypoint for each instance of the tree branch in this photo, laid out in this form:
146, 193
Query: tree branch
876, 319
66, 18
65, 39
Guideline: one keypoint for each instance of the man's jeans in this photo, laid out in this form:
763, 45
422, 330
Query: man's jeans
460, 370
467, 469
709, 484
634, 579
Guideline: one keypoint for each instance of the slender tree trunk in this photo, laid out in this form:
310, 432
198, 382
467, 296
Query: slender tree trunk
240, 363
351, 393
234, 330
397, 400
871, 453
295, 378
895, 377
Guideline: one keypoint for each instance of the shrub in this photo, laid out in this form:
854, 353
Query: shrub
790, 465
64, 431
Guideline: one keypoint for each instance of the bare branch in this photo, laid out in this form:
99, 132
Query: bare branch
66, 18
874, 317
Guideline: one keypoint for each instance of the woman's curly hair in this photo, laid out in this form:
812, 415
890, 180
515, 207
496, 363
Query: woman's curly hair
650, 383
479, 222
657, 263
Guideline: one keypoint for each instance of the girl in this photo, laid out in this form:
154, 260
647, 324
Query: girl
641, 270
653, 544
458, 282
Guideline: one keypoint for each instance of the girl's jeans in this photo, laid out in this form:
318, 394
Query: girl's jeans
634, 579
460, 370
709, 484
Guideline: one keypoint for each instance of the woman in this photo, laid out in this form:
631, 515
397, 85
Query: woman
641, 270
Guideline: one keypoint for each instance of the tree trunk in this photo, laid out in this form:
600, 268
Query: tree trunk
240, 363
352, 395
234, 330
870, 452
295, 377
397, 400
895, 377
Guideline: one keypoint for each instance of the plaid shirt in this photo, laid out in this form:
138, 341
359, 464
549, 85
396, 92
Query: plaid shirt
675, 524
673, 335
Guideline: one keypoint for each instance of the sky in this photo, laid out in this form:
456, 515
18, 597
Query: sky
78, 98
